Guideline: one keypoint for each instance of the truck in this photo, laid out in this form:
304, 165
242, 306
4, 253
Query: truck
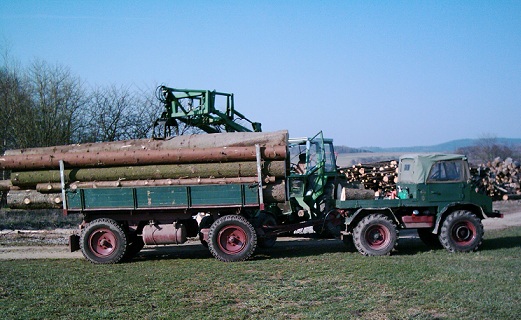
247, 187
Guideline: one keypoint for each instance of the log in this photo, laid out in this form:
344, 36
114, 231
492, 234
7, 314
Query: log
55, 186
511, 197
30, 179
139, 157
275, 193
356, 194
31, 199
5, 185
215, 140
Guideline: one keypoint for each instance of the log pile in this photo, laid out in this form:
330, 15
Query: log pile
499, 179
220, 158
381, 177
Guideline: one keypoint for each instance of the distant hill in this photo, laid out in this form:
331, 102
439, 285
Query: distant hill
442, 147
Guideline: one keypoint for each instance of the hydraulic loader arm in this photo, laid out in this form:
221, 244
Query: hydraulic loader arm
207, 110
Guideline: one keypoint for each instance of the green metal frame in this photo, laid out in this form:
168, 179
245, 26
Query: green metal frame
197, 108
175, 197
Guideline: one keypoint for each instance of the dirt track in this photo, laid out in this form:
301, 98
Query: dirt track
53, 244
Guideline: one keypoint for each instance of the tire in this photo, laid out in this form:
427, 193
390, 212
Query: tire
104, 241
461, 231
266, 219
232, 238
349, 243
206, 222
133, 248
430, 239
375, 235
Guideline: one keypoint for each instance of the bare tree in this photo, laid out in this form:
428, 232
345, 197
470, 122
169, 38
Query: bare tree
117, 113
57, 98
15, 107
487, 148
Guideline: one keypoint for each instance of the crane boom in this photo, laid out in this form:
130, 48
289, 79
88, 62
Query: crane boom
210, 111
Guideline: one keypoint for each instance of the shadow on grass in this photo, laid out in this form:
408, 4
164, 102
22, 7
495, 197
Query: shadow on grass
281, 249
304, 247
501, 243
300, 248
192, 251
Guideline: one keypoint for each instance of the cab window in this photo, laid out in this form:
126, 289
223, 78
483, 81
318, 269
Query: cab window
453, 170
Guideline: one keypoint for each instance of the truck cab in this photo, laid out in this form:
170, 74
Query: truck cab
439, 179
313, 172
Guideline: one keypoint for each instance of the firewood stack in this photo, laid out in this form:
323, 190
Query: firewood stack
499, 179
380, 177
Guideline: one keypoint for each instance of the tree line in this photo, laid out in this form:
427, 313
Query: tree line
46, 104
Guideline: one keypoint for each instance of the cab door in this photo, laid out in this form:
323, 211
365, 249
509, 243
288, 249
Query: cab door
316, 179
446, 181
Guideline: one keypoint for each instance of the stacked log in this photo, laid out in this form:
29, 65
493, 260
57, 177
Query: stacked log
381, 177
220, 158
499, 179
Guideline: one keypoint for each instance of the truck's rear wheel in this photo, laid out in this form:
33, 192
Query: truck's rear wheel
349, 244
462, 231
232, 238
266, 219
103, 241
430, 239
375, 235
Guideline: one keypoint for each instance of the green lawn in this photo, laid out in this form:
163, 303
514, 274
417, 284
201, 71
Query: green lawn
318, 281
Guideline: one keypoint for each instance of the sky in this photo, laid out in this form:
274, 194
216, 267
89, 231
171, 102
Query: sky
366, 73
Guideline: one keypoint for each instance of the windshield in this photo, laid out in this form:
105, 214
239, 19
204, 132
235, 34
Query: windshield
447, 171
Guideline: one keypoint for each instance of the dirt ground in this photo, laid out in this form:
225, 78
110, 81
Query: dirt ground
52, 244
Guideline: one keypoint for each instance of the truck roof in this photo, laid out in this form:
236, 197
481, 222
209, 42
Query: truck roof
414, 168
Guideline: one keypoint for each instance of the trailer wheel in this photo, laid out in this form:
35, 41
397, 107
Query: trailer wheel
232, 238
206, 222
104, 241
266, 219
462, 231
134, 246
375, 235
430, 239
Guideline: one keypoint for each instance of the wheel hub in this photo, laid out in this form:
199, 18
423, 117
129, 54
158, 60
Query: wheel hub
102, 242
463, 233
232, 239
376, 236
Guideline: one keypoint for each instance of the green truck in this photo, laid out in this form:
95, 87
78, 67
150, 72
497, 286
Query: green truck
247, 189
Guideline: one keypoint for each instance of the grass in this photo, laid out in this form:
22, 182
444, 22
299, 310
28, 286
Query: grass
291, 281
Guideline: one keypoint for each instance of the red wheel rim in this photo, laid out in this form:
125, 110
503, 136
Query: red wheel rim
463, 233
102, 242
232, 239
377, 237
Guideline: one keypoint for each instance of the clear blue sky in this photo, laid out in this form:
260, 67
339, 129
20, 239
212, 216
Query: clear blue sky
367, 73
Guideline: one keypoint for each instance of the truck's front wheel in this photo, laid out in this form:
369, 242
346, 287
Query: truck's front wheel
103, 241
461, 231
232, 238
375, 235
